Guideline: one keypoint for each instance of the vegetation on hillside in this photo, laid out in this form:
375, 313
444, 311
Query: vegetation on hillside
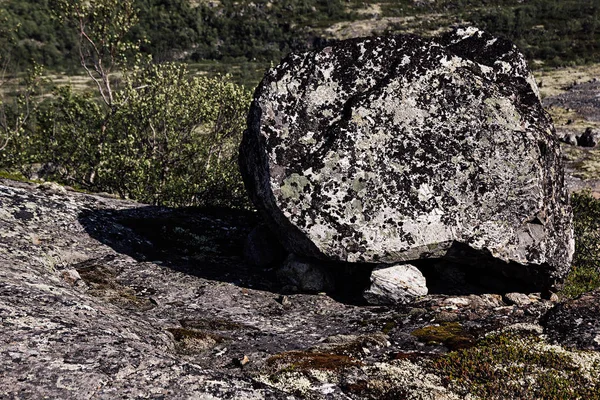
515, 366
585, 273
557, 32
148, 131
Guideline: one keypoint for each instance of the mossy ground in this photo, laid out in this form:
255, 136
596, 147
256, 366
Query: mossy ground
581, 280
509, 366
450, 334
190, 341
15, 176
102, 283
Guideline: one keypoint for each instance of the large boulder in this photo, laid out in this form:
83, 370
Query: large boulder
391, 149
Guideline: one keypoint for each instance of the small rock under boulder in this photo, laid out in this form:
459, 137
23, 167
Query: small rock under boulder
393, 149
396, 284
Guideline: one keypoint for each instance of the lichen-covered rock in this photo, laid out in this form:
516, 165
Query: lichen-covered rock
395, 284
398, 148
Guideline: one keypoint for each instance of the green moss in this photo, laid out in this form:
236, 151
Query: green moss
508, 366
580, 280
388, 327
16, 176
384, 325
450, 334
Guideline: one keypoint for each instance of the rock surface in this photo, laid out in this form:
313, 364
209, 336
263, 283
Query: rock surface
576, 323
105, 299
395, 284
400, 148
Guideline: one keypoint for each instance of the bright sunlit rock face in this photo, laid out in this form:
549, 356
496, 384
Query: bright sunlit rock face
392, 149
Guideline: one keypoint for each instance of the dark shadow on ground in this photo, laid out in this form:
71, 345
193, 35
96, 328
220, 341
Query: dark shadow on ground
203, 242
209, 243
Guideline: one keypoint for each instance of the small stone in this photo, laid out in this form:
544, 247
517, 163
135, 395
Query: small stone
35, 239
241, 361
395, 284
307, 275
446, 316
518, 299
569, 138
457, 302
53, 188
589, 138
284, 300
71, 276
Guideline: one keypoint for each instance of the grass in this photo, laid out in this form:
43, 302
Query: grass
581, 280
585, 274
553, 82
15, 176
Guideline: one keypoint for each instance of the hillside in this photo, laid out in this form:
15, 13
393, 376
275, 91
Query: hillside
550, 32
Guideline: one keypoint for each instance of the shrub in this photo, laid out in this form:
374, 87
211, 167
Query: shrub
168, 139
148, 132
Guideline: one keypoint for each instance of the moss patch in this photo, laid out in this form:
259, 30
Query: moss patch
191, 341
450, 334
508, 366
15, 176
102, 282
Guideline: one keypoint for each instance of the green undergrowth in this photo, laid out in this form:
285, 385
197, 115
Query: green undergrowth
585, 274
581, 280
15, 176
509, 366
